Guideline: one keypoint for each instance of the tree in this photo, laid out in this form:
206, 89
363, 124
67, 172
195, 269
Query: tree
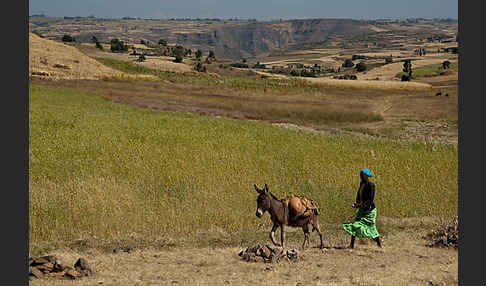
199, 67
446, 64
118, 46
361, 67
407, 65
198, 54
178, 54
68, 39
348, 63
141, 58
163, 42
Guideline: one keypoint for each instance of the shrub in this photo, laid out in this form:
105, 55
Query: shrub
200, 67
99, 46
446, 64
348, 63
211, 55
163, 42
38, 33
239, 65
178, 54
405, 77
141, 58
360, 67
259, 66
198, 54
407, 65
68, 39
118, 46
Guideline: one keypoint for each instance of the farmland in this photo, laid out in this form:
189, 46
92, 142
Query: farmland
160, 158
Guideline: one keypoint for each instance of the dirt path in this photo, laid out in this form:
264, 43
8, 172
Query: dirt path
405, 260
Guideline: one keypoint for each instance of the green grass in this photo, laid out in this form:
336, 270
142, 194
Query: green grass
430, 70
232, 82
106, 170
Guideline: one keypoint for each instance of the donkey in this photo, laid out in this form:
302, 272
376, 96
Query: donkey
281, 216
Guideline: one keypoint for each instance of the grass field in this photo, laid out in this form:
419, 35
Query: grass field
109, 170
431, 70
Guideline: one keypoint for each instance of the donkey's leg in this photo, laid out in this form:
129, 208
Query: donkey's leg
315, 225
305, 228
272, 234
282, 234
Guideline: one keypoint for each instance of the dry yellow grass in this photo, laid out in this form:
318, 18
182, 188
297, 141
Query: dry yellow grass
165, 64
370, 84
389, 71
54, 60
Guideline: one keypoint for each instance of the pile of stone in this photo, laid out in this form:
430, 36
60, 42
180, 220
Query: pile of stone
446, 235
51, 266
268, 254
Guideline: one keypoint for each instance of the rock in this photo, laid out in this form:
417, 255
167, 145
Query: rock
46, 267
33, 271
83, 267
42, 260
292, 254
265, 252
59, 266
254, 249
71, 273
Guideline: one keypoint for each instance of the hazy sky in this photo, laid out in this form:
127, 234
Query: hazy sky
258, 9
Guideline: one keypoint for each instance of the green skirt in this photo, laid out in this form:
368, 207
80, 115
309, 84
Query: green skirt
364, 225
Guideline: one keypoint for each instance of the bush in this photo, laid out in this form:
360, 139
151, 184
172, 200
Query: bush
178, 54
259, 66
198, 54
118, 46
405, 77
211, 55
360, 67
446, 64
200, 67
407, 65
306, 73
99, 46
68, 39
389, 60
348, 63
239, 65
38, 33
141, 58
163, 42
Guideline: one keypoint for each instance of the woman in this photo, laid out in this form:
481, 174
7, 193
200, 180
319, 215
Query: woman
365, 222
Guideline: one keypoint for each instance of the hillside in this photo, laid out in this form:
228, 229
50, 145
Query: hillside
54, 60
237, 39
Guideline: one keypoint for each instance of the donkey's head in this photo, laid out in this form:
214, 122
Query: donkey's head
263, 200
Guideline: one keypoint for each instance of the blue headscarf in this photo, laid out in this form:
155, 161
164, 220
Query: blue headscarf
367, 172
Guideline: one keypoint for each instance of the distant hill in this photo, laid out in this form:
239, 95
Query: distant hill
229, 39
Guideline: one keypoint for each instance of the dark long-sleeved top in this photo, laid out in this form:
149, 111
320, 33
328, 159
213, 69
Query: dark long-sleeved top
368, 195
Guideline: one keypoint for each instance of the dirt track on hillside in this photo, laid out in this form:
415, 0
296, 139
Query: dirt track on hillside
405, 260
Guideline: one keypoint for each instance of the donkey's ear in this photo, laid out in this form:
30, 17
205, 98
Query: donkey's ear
266, 188
256, 188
